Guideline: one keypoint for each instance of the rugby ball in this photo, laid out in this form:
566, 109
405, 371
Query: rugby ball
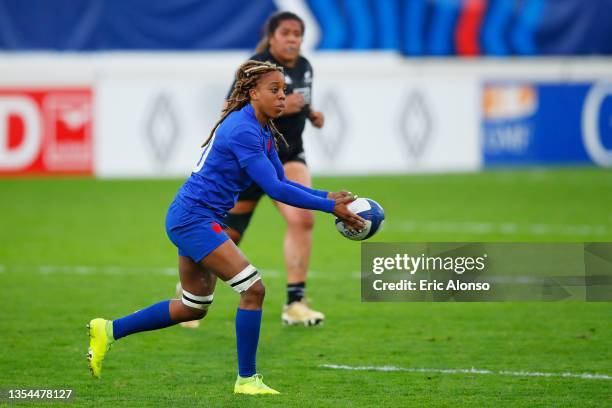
371, 212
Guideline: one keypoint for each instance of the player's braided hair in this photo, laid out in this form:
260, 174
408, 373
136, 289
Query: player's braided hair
246, 79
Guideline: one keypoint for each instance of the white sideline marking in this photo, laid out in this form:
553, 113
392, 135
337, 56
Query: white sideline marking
584, 376
89, 270
483, 228
110, 270
173, 271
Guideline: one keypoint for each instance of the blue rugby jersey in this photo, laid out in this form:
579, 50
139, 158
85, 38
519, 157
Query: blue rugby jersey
240, 152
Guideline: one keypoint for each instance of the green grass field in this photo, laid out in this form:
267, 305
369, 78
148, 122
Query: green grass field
75, 249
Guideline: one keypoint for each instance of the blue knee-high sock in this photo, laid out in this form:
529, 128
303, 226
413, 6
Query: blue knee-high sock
248, 323
154, 317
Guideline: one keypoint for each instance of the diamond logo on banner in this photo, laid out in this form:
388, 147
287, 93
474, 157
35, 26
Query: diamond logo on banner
332, 136
162, 129
415, 124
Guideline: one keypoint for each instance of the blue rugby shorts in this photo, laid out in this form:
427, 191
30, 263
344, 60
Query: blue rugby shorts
195, 235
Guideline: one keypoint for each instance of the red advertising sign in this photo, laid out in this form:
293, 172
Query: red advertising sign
46, 131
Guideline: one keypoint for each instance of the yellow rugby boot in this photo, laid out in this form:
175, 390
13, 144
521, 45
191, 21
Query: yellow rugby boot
300, 313
100, 340
253, 386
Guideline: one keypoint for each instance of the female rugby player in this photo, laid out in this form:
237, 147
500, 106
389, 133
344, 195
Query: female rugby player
284, 32
241, 149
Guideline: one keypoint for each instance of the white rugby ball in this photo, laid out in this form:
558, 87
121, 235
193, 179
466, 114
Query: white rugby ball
371, 212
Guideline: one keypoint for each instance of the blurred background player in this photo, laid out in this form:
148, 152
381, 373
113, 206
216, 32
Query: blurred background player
284, 32
240, 150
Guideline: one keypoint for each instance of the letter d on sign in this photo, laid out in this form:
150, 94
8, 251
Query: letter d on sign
25, 153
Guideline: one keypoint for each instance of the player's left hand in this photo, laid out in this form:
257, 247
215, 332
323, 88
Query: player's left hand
317, 119
332, 195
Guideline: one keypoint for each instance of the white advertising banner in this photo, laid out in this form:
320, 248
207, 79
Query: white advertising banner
153, 128
386, 125
151, 111
149, 128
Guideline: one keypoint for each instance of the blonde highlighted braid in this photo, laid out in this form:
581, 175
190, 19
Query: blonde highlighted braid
246, 79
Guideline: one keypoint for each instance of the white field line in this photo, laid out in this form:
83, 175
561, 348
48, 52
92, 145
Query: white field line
167, 271
482, 228
583, 376
172, 271
120, 270
106, 270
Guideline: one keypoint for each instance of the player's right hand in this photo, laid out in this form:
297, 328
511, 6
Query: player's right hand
294, 102
352, 221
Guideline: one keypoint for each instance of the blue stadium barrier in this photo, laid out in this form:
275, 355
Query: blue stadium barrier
411, 27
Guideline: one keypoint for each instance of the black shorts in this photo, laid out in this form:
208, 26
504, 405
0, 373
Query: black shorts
254, 192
